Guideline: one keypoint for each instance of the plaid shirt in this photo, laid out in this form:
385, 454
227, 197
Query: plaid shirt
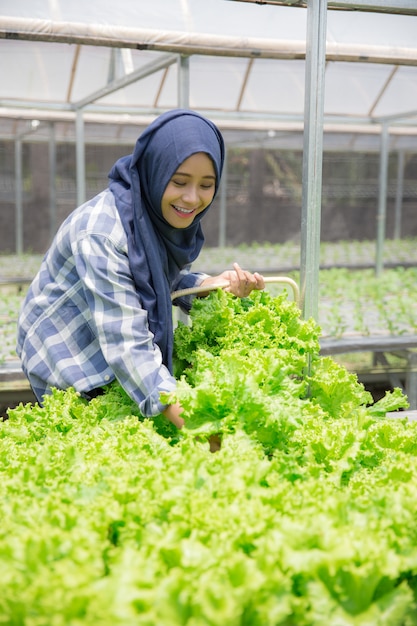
82, 323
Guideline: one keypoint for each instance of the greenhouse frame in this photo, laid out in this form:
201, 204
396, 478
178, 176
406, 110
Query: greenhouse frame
348, 69
279, 487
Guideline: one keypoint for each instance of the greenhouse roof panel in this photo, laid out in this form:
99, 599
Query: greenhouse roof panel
245, 59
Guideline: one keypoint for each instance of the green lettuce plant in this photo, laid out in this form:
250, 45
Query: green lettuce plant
304, 517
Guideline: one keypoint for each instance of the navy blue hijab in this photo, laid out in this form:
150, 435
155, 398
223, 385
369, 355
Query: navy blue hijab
158, 251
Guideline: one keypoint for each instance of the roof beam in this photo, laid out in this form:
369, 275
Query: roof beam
403, 7
74, 66
383, 90
195, 43
160, 64
116, 114
245, 82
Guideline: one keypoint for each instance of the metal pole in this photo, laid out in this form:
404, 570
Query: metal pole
184, 82
399, 195
382, 200
183, 103
52, 181
223, 206
312, 156
411, 380
18, 196
80, 157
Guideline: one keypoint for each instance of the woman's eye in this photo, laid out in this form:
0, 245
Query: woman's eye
181, 183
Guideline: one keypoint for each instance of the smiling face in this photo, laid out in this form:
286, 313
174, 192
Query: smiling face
189, 191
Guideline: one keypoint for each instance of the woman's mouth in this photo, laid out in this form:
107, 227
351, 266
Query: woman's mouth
183, 212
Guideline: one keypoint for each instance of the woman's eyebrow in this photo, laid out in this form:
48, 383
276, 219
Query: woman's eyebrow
179, 173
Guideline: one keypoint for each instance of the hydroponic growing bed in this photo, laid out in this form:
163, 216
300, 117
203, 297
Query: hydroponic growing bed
355, 306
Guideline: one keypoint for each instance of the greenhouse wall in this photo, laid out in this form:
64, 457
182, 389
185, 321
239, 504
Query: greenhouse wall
264, 189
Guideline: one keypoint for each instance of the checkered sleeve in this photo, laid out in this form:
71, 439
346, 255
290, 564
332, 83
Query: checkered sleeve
186, 280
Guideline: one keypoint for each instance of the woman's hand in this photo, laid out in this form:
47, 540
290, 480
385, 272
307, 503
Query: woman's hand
241, 282
173, 413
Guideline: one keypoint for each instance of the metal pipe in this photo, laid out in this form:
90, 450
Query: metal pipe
223, 206
187, 43
399, 195
400, 123
52, 182
128, 79
405, 7
183, 99
382, 200
312, 157
184, 82
80, 157
18, 196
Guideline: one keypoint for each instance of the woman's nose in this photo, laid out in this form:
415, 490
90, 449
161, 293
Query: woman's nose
190, 194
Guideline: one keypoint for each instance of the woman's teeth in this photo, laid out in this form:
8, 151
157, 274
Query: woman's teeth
181, 210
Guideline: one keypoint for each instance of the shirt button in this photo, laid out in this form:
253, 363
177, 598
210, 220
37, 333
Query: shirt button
107, 377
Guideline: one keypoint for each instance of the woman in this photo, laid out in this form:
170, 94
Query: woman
100, 308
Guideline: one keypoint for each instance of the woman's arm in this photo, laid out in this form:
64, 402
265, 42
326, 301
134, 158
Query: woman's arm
120, 324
